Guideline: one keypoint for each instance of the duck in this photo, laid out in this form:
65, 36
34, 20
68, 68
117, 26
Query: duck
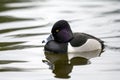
63, 40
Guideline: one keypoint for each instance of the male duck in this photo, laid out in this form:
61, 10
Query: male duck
63, 40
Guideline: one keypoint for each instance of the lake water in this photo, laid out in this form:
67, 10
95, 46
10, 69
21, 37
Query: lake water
25, 23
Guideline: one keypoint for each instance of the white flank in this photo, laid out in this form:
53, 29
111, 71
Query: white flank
90, 45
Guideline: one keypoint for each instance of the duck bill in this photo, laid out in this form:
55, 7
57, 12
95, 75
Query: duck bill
64, 36
50, 37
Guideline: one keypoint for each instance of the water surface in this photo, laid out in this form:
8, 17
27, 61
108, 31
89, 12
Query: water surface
25, 23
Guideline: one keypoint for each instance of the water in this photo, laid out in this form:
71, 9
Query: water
25, 23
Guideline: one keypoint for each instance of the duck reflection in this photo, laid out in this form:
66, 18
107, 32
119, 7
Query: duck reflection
59, 63
62, 64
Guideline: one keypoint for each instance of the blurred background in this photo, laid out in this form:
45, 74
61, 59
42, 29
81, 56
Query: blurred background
25, 23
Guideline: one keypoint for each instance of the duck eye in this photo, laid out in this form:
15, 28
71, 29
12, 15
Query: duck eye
57, 30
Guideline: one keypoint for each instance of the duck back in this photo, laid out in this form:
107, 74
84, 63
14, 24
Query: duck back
83, 42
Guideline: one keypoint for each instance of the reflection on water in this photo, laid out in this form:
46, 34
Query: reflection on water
4, 8
6, 69
62, 64
9, 61
10, 19
24, 24
59, 64
16, 29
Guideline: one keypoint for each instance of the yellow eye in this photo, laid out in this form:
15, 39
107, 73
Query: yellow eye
57, 30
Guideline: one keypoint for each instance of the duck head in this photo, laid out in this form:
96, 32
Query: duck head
62, 32
58, 41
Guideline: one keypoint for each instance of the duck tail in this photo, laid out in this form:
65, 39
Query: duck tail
103, 47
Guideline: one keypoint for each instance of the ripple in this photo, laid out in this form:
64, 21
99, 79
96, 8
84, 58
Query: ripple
10, 61
18, 47
117, 20
113, 48
4, 4
112, 70
17, 29
74, 20
117, 36
8, 69
28, 35
5, 8
14, 69
117, 11
91, 6
10, 1
67, 11
4, 19
5, 44
107, 0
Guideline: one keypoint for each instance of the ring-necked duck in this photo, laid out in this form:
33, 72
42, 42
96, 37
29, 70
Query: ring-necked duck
63, 40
